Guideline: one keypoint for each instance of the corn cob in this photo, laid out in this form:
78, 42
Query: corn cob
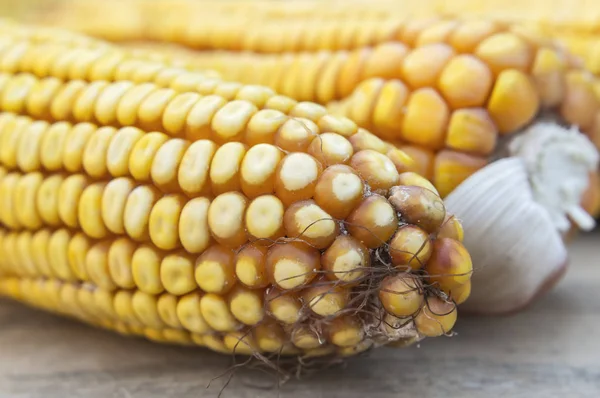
471, 92
219, 230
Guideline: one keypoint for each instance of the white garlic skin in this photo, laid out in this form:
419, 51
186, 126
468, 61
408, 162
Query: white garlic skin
515, 213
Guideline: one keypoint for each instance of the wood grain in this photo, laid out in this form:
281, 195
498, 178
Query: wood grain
550, 350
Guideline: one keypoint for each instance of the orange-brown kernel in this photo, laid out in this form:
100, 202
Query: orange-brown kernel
226, 219
436, 318
401, 295
425, 119
376, 169
215, 270
339, 190
346, 260
504, 51
258, 170
423, 65
296, 177
410, 247
306, 221
177, 273
373, 222
465, 82
452, 168
514, 101
326, 298
291, 265
472, 130
419, 206
450, 264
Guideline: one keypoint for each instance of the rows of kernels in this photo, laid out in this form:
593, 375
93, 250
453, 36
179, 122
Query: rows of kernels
211, 117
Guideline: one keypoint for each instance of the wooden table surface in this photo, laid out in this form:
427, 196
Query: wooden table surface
550, 350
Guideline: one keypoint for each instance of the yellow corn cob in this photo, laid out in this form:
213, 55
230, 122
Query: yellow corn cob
447, 100
247, 225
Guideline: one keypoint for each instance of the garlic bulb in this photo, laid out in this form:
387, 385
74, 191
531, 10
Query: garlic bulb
516, 211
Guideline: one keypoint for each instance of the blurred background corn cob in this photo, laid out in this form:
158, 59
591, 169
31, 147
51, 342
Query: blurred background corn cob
482, 79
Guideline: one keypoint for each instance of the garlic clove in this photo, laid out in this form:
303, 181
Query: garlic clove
516, 213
